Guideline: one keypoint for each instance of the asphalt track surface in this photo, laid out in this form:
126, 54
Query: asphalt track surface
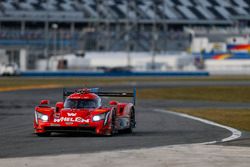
153, 128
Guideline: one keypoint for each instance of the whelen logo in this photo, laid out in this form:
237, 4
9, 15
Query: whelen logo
71, 119
71, 114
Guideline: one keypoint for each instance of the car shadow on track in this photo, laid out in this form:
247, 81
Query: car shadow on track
84, 135
123, 134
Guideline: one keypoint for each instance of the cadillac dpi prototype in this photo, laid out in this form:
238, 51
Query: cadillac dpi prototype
83, 110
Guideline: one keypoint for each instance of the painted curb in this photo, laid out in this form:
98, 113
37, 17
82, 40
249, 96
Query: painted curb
235, 133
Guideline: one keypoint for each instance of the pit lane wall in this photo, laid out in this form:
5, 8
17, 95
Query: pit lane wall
112, 74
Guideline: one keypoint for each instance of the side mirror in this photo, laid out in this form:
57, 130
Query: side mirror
44, 102
59, 106
113, 103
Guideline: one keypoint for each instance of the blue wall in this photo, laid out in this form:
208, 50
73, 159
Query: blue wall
110, 74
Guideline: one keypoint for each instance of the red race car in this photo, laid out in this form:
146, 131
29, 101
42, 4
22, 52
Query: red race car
83, 110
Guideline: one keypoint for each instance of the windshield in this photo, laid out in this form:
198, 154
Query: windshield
82, 103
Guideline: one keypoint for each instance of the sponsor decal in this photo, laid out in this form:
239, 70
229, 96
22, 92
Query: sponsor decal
71, 114
222, 56
241, 47
70, 119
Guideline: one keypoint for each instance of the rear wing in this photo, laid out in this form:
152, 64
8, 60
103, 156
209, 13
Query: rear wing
96, 91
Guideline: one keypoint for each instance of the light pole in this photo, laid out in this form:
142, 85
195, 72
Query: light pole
127, 37
154, 50
55, 27
154, 39
46, 27
128, 50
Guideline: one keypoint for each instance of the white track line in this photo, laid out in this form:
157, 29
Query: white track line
235, 133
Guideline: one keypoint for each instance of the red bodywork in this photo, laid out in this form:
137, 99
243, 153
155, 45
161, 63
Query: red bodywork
99, 120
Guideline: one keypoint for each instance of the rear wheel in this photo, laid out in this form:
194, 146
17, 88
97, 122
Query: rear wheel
45, 134
131, 122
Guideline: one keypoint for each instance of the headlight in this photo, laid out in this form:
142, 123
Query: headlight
98, 117
44, 117
41, 116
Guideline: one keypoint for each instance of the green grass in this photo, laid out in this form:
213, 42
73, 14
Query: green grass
237, 118
16, 81
211, 93
79, 81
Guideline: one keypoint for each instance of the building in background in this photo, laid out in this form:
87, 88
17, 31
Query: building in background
32, 32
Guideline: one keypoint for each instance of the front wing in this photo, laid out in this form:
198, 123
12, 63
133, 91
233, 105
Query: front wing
92, 127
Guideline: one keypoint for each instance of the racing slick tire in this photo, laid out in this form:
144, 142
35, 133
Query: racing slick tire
132, 122
113, 131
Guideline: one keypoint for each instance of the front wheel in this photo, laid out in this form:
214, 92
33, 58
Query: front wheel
113, 129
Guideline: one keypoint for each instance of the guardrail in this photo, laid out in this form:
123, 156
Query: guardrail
111, 74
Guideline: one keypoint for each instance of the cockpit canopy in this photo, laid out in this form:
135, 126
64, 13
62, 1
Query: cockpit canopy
82, 103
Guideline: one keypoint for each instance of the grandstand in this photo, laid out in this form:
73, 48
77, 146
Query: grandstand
113, 10
51, 27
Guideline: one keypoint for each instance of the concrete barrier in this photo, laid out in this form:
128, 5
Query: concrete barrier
111, 74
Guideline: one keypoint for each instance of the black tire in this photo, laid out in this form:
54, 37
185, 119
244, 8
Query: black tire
113, 130
132, 122
45, 134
